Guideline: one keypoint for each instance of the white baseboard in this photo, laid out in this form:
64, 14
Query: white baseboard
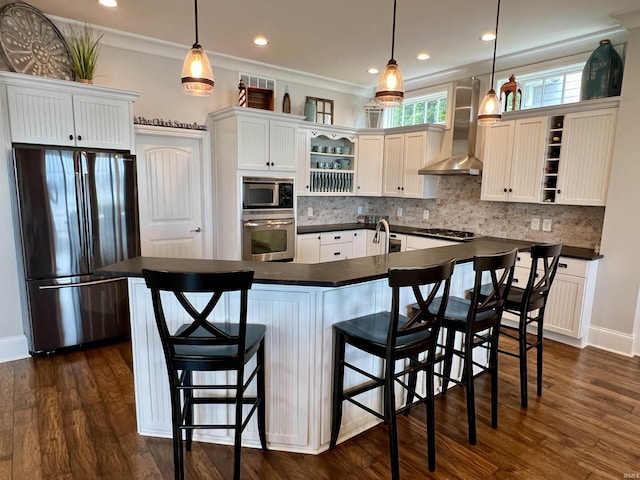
13, 348
611, 340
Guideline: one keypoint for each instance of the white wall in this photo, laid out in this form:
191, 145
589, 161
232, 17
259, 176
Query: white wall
13, 343
154, 69
616, 303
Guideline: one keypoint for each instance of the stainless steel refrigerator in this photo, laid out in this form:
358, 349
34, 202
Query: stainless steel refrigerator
78, 211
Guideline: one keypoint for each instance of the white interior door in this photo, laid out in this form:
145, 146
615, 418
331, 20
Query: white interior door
171, 174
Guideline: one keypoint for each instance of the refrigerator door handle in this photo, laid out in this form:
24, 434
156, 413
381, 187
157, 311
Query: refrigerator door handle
82, 209
86, 209
82, 284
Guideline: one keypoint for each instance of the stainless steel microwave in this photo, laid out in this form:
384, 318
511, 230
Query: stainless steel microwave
267, 193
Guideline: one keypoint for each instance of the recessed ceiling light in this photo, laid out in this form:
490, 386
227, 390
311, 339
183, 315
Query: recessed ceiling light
108, 3
260, 41
423, 56
373, 71
488, 37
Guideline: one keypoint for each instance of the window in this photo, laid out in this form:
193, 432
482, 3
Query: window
324, 109
258, 82
415, 111
551, 87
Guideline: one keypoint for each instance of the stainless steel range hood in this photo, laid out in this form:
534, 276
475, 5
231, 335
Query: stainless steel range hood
465, 125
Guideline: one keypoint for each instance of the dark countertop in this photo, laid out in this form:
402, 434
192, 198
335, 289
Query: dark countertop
329, 274
579, 253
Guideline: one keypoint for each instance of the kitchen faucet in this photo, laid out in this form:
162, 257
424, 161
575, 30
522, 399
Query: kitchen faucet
376, 237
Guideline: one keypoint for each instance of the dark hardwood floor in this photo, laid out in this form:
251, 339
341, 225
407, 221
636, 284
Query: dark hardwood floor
72, 416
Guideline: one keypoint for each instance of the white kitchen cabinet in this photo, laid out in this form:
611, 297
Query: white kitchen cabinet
359, 243
513, 159
303, 147
405, 154
418, 243
370, 165
254, 139
327, 163
562, 155
585, 157
308, 248
375, 248
336, 246
266, 144
330, 246
570, 302
50, 112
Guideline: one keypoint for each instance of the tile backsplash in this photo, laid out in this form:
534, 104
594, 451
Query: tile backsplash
458, 206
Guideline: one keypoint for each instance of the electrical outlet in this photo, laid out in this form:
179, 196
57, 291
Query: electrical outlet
399, 211
425, 214
360, 209
535, 224
310, 212
546, 225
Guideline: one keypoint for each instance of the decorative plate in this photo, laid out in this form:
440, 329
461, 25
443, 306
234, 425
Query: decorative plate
31, 44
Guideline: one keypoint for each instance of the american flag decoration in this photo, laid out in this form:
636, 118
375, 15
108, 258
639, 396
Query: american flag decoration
242, 94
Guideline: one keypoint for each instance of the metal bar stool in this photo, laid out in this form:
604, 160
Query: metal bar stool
199, 345
392, 337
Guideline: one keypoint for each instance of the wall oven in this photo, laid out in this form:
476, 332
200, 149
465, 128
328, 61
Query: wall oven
268, 220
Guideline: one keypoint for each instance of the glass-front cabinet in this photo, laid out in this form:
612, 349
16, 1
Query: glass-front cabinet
327, 161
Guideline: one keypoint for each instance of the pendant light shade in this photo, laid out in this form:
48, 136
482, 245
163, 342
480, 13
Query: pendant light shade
390, 89
490, 111
197, 76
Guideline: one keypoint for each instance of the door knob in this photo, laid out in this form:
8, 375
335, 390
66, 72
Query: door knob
196, 230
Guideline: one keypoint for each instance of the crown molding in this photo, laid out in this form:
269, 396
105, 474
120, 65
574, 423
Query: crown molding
630, 19
152, 46
543, 53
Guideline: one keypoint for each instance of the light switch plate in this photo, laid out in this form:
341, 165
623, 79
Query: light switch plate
399, 211
360, 209
546, 225
535, 224
425, 214
310, 212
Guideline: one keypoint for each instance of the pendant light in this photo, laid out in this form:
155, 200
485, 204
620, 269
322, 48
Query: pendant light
390, 90
197, 76
490, 108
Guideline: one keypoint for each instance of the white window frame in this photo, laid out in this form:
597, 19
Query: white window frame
542, 75
424, 94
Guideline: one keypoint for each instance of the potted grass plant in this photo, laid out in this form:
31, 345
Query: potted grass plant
84, 48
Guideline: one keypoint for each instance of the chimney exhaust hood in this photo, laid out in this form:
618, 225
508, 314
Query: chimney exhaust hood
465, 125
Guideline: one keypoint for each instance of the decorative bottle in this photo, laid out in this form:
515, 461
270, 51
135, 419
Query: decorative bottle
602, 74
310, 110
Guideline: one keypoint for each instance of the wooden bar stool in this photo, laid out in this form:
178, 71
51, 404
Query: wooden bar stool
392, 337
199, 345
478, 319
529, 304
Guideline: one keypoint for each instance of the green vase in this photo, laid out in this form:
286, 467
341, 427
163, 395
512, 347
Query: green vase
310, 111
602, 74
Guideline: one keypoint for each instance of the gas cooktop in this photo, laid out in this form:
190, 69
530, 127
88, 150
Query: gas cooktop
444, 233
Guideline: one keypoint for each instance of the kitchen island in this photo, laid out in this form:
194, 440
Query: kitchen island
299, 304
